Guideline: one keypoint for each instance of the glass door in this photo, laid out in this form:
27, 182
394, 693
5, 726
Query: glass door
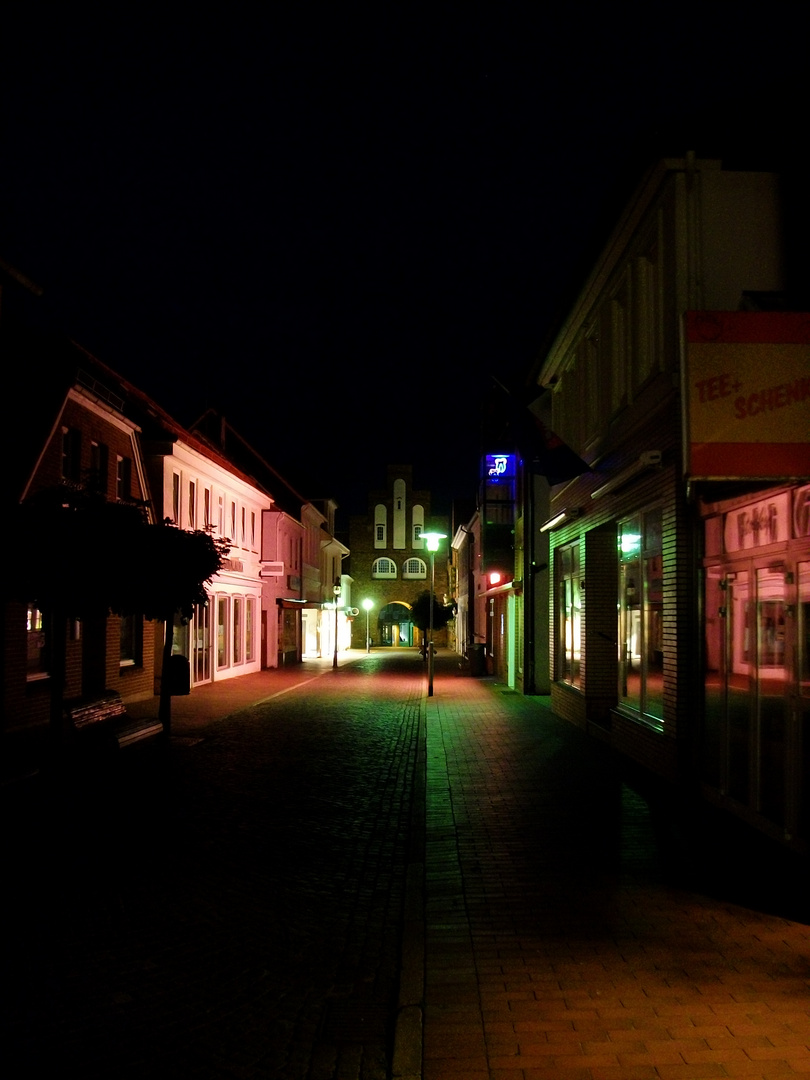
803, 696
739, 671
728, 662
201, 660
772, 692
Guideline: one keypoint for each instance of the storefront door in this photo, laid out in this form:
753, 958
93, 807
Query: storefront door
201, 658
752, 733
802, 700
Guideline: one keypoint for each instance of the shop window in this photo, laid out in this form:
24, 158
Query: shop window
729, 661
804, 696
238, 609
250, 628
202, 643
641, 658
804, 630
569, 615
222, 631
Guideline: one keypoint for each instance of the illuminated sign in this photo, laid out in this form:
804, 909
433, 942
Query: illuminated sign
499, 466
747, 395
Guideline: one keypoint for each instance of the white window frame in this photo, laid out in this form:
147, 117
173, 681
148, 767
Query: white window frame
390, 572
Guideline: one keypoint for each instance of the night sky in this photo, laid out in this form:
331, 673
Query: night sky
352, 223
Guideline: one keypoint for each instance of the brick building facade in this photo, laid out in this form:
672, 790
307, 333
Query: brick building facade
390, 563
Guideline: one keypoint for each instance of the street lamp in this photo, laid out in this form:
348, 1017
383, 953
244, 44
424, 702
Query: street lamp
336, 591
432, 540
368, 605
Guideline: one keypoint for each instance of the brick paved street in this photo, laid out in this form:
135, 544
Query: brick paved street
234, 910
331, 876
582, 928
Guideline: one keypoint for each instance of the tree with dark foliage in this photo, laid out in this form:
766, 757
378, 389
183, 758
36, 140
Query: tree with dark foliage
88, 558
420, 614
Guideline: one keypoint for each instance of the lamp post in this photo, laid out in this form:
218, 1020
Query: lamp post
336, 591
432, 540
368, 605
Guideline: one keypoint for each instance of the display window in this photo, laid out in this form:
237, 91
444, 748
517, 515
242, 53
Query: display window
755, 744
641, 605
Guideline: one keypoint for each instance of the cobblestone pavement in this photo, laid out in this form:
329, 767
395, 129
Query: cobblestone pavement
322, 853
583, 925
231, 908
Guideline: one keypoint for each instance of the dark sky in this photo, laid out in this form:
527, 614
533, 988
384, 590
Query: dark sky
335, 231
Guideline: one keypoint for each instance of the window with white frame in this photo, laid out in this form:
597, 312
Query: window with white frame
223, 625
250, 628
418, 521
380, 526
383, 568
192, 505
71, 454
176, 498
207, 522
238, 607
123, 478
414, 568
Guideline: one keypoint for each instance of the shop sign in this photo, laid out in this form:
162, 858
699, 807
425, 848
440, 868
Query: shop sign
746, 394
758, 524
500, 466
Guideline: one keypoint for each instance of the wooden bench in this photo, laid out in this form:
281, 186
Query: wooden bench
136, 730
107, 715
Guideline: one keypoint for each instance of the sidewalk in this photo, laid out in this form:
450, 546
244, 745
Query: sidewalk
576, 930
211, 702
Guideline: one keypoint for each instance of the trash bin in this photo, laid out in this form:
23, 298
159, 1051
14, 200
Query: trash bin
475, 654
179, 674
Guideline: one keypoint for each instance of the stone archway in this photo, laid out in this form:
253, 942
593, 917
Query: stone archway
395, 625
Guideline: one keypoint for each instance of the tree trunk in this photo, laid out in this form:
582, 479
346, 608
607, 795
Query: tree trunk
165, 709
56, 662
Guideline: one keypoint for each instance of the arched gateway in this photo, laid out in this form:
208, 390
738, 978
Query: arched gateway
395, 624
